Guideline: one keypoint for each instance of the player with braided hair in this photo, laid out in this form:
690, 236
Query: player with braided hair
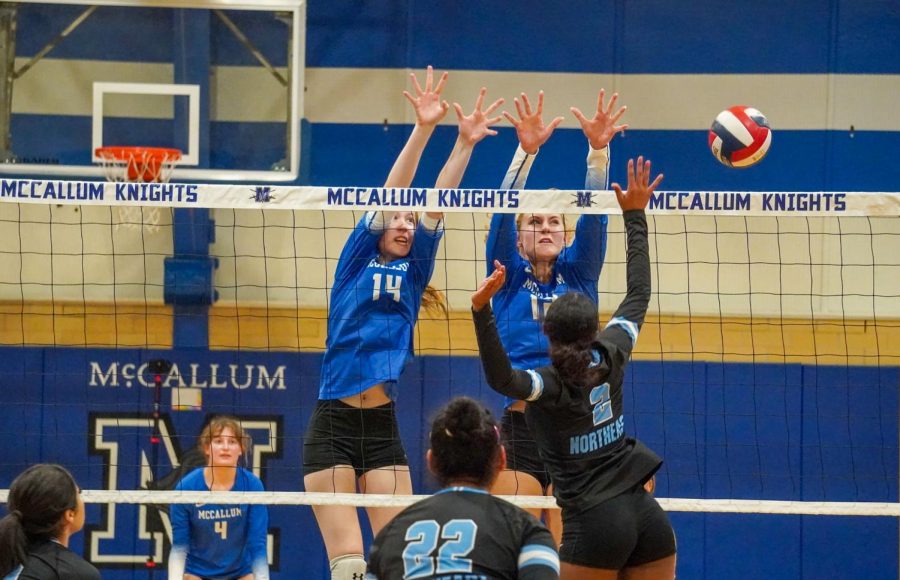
463, 531
541, 268
612, 527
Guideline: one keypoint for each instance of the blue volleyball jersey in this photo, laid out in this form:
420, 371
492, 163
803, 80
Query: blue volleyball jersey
519, 306
373, 309
219, 541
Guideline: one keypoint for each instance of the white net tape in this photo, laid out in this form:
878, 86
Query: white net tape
284, 498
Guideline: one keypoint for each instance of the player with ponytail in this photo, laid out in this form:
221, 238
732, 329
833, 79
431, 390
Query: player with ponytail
540, 268
612, 527
381, 278
45, 509
462, 531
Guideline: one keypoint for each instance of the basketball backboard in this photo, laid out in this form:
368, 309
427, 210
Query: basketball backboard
221, 80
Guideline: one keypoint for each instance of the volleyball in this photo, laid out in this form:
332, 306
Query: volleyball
740, 136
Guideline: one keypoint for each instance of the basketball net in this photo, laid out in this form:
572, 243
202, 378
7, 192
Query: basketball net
138, 165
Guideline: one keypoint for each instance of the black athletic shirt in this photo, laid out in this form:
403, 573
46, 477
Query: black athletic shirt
581, 431
463, 533
53, 561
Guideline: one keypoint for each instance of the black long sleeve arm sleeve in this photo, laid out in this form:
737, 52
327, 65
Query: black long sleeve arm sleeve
624, 326
524, 385
621, 331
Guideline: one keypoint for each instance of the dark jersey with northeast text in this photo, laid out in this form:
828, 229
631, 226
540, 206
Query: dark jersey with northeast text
463, 533
581, 431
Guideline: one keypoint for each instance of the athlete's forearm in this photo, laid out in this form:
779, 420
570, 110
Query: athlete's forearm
497, 369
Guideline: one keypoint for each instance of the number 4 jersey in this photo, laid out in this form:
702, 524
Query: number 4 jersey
219, 541
463, 533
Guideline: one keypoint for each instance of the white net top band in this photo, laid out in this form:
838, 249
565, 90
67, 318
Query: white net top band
283, 498
182, 195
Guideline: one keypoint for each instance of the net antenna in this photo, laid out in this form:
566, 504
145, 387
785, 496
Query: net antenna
136, 164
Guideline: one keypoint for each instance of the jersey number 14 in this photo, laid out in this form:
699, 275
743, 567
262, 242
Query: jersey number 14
391, 286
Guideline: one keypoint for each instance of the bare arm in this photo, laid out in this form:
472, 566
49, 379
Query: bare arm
429, 109
472, 129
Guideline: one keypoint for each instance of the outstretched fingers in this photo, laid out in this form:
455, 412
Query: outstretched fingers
620, 195
441, 82
429, 79
615, 118
600, 98
489, 287
527, 103
494, 106
479, 102
460, 115
640, 187
578, 115
639, 178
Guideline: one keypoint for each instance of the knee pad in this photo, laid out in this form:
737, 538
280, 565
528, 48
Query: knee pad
349, 567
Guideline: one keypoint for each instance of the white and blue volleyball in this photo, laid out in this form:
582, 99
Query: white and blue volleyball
740, 136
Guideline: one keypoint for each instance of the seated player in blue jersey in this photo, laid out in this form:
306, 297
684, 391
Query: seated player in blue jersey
45, 509
381, 279
227, 541
540, 268
463, 531
575, 412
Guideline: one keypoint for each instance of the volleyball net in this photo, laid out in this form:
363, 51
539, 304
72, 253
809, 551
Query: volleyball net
766, 374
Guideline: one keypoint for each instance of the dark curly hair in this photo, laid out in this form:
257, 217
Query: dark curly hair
465, 443
571, 324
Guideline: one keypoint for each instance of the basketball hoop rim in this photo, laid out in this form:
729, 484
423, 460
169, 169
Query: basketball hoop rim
127, 152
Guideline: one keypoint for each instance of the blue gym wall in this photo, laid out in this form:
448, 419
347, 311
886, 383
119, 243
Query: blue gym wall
801, 433
741, 431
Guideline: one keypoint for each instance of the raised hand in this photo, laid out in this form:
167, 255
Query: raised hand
601, 129
639, 187
529, 126
475, 127
427, 103
489, 286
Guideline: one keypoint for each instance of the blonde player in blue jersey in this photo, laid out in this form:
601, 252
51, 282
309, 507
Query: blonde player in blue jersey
220, 542
540, 268
381, 277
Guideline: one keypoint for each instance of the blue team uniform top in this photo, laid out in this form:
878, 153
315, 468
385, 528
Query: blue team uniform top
374, 308
519, 306
219, 541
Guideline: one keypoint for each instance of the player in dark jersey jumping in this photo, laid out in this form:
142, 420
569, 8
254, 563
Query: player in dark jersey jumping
462, 531
575, 412
541, 268
381, 278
